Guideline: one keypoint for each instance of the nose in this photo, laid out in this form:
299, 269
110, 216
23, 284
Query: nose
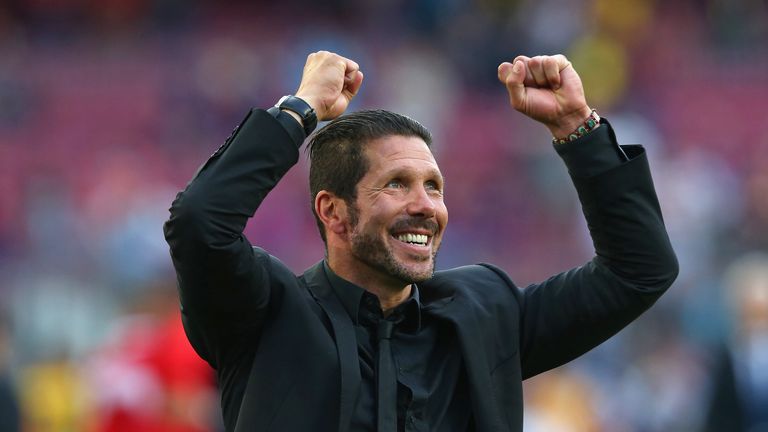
421, 204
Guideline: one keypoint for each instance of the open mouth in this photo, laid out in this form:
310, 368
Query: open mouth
415, 239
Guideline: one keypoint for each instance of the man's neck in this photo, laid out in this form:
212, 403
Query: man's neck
390, 291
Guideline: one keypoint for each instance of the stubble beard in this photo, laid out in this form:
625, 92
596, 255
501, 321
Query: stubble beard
372, 250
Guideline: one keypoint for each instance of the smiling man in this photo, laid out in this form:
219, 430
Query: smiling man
386, 233
372, 338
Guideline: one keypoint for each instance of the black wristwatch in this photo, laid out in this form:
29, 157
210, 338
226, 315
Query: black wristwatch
300, 107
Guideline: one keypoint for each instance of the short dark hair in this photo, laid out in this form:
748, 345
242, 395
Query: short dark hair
337, 159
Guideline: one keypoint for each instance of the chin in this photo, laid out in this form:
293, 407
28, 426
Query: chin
423, 277
418, 273
390, 259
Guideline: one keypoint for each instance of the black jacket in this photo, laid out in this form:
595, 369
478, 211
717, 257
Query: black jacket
284, 348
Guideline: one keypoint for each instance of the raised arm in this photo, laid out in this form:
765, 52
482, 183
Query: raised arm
634, 263
223, 280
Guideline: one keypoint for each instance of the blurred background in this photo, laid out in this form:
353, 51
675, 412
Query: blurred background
107, 107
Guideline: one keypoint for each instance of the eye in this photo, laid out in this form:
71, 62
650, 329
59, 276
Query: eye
395, 184
432, 185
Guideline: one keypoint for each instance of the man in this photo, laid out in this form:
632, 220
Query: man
369, 338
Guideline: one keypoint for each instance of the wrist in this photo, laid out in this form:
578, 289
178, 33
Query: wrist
311, 101
295, 116
300, 110
569, 123
586, 125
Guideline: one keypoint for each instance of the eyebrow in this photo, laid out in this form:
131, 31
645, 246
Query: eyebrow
433, 172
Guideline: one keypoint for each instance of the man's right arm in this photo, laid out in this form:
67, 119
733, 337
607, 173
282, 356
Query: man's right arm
220, 278
223, 282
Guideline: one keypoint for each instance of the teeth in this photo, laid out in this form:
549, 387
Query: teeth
413, 238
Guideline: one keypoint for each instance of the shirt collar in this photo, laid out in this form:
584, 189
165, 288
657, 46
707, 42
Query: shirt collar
354, 297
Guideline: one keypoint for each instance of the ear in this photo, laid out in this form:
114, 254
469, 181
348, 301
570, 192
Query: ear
332, 211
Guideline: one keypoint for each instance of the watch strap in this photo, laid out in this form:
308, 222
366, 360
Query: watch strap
302, 109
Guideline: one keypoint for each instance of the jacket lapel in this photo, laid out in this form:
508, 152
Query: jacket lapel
469, 332
346, 340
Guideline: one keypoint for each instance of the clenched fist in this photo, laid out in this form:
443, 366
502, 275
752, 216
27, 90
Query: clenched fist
329, 83
547, 89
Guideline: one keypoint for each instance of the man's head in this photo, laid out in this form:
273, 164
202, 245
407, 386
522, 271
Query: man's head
377, 193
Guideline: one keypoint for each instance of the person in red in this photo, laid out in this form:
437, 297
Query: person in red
372, 337
149, 379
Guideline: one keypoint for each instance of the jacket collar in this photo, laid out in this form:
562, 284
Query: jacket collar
358, 302
438, 296
346, 342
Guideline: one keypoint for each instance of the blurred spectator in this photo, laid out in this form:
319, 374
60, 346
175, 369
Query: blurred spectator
53, 396
739, 393
560, 401
10, 417
146, 377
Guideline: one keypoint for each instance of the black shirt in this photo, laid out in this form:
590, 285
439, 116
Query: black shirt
432, 392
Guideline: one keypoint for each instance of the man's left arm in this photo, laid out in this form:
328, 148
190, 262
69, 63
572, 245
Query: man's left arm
634, 263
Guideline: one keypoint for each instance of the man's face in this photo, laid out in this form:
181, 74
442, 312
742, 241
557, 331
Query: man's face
399, 216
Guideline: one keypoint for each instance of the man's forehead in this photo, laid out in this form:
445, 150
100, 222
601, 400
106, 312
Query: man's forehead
397, 147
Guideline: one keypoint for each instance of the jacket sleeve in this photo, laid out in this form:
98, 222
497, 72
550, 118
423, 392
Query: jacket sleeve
222, 279
570, 313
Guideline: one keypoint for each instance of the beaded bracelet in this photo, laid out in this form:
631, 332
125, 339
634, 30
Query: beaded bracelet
588, 126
